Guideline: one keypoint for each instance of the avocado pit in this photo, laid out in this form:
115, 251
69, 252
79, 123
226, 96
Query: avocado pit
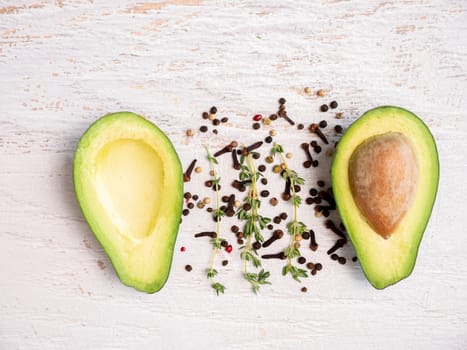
383, 175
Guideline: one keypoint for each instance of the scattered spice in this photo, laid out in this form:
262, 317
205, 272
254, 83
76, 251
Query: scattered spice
314, 128
308, 90
250, 236
211, 234
321, 93
279, 255
310, 161
188, 268
236, 163
189, 170
304, 289
313, 244
183, 249
338, 245
323, 124
332, 226
226, 149
277, 234
254, 146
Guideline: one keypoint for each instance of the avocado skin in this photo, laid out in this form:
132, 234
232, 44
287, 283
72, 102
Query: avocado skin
81, 169
386, 262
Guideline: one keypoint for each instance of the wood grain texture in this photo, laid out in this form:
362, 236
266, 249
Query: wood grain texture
65, 63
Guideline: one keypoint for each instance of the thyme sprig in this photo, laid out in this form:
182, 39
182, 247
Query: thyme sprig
217, 214
254, 224
295, 228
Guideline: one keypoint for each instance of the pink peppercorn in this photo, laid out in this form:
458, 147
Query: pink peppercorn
228, 249
182, 249
257, 117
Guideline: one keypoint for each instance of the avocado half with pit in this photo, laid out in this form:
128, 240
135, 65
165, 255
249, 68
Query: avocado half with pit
129, 184
385, 178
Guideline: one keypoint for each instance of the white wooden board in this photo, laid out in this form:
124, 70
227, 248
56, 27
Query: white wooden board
65, 63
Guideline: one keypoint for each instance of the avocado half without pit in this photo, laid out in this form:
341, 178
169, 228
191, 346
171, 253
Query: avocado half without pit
385, 178
129, 184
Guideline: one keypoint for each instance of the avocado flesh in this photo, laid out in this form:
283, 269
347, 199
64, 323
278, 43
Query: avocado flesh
387, 257
129, 184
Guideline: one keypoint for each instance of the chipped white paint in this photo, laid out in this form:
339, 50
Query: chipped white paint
64, 63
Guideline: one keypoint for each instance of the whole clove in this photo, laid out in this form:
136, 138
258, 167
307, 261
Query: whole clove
287, 188
229, 210
254, 146
211, 234
280, 255
313, 243
332, 226
283, 114
277, 234
226, 149
189, 170
338, 245
309, 162
328, 198
236, 163
314, 128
